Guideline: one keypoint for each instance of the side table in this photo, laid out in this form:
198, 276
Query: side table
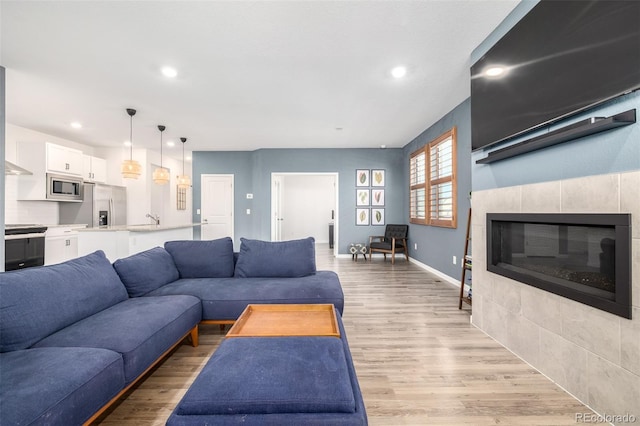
355, 249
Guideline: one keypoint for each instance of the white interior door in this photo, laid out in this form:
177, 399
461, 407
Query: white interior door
276, 208
217, 206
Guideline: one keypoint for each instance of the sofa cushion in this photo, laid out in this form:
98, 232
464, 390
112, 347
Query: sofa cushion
140, 329
226, 298
273, 375
57, 386
202, 259
285, 259
37, 302
146, 271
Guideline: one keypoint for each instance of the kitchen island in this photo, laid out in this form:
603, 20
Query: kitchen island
122, 241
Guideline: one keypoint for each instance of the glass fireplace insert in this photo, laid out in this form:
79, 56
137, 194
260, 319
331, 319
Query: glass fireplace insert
584, 257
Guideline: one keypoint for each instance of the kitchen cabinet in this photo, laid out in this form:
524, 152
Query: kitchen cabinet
61, 159
60, 244
94, 169
43, 158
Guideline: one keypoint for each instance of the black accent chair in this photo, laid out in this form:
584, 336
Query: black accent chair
394, 241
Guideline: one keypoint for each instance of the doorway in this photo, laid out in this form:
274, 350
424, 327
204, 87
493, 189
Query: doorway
217, 206
303, 205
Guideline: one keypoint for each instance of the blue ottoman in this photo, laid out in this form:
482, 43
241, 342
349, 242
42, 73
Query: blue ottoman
275, 381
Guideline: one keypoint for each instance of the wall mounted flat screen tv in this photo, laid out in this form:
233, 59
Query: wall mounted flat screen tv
562, 58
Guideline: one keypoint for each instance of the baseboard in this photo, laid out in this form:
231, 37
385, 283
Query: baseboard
453, 281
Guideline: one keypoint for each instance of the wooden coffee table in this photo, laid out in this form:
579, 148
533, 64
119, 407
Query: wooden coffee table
286, 320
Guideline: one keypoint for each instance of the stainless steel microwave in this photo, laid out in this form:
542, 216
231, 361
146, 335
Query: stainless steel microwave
64, 188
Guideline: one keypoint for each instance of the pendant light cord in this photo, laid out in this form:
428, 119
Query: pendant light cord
130, 137
183, 142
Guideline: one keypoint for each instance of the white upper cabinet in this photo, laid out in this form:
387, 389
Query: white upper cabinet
63, 160
95, 169
41, 158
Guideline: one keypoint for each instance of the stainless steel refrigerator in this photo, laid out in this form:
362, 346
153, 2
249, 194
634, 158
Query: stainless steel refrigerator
102, 205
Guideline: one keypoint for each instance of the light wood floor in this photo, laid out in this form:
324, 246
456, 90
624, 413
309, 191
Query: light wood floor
418, 359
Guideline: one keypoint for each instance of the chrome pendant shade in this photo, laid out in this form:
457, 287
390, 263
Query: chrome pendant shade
161, 174
184, 181
130, 168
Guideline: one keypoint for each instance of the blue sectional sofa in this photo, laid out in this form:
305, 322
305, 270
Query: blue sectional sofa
262, 272
75, 336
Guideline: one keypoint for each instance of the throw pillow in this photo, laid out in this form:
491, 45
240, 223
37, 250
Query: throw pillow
202, 259
284, 259
146, 271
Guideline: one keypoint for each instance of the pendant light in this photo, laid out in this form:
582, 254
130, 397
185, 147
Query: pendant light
130, 168
161, 175
184, 181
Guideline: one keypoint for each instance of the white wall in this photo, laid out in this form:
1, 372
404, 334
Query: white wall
138, 191
167, 206
44, 212
307, 204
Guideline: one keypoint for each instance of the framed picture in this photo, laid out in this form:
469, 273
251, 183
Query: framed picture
362, 217
362, 177
377, 216
362, 197
377, 177
377, 197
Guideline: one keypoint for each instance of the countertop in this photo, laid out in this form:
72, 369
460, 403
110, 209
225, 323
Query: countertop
139, 228
74, 226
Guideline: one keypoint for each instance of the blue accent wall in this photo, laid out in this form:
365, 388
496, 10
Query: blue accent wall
252, 174
611, 151
436, 245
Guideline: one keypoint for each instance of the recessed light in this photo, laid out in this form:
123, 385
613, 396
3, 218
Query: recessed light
171, 143
495, 71
188, 157
127, 143
76, 125
383, 146
399, 72
169, 72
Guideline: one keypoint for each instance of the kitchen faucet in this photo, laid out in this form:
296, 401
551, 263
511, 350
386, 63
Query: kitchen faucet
155, 218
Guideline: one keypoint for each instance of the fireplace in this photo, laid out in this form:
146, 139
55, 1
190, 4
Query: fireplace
584, 257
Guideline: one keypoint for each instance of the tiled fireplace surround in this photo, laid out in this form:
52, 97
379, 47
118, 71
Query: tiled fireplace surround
592, 354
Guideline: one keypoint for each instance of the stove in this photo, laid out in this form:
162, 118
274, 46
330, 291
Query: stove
23, 245
13, 229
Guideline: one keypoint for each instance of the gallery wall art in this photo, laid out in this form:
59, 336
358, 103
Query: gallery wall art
370, 185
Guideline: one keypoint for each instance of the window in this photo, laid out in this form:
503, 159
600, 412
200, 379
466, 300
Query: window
432, 171
418, 207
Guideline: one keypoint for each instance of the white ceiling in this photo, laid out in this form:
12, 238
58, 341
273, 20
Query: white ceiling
252, 74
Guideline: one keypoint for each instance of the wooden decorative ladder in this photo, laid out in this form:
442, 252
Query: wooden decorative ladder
466, 266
